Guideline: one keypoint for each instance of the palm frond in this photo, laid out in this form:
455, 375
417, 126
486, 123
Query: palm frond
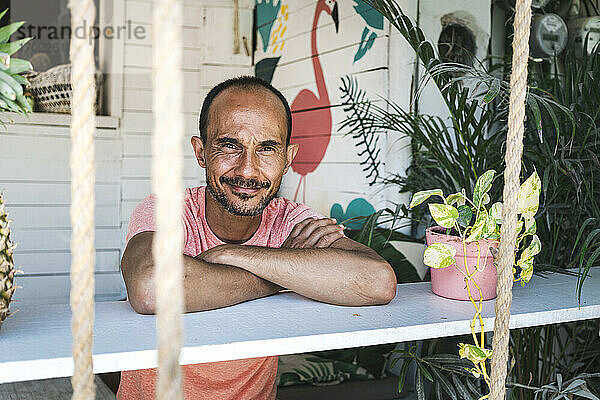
358, 124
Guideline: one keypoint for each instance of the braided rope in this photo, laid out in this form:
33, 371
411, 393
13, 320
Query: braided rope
167, 172
83, 13
508, 230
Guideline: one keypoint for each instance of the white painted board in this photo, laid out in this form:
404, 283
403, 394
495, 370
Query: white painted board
39, 337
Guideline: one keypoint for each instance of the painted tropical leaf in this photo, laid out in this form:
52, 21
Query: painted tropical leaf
473, 353
365, 43
529, 196
423, 195
439, 255
372, 17
266, 14
443, 214
483, 185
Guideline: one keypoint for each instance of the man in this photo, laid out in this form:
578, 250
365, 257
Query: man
242, 243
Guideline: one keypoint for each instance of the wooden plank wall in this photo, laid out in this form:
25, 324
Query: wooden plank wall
35, 172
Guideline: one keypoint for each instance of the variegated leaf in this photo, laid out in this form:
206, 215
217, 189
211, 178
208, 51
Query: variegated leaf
530, 226
529, 196
479, 228
423, 195
496, 212
464, 215
526, 271
473, 353
439, 255
531, 251
444, 214
458, 198
490, 226
483, 185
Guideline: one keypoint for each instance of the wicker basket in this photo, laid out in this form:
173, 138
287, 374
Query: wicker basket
52, 90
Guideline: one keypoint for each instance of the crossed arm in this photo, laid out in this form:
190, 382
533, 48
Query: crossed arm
315, 261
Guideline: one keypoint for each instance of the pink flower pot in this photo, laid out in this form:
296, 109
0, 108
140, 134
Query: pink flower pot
449, 282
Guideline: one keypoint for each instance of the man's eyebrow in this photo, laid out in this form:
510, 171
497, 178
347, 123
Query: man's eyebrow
273, 143
227, 140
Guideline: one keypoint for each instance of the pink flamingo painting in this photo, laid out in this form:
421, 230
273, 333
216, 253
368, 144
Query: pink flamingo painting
311, 114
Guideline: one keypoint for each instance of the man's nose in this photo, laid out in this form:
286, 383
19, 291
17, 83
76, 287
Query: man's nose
247, 165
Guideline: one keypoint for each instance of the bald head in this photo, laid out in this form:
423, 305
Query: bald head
248, 90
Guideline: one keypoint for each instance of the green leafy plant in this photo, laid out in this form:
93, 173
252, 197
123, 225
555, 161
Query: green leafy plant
472, 220
11, 91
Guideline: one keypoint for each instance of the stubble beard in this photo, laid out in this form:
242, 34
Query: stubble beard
240, 210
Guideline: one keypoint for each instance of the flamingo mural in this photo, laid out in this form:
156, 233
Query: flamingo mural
311, 113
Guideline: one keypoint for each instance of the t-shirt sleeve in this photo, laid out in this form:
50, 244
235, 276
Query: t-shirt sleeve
142, 219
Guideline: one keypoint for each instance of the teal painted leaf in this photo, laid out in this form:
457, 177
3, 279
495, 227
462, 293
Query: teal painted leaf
529, 196
266, 14
444, 214
423, 195
439, 255
371, 16
365, 44
483, 185
355, 215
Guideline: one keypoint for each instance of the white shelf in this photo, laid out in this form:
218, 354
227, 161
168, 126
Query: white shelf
38, 338
55, 119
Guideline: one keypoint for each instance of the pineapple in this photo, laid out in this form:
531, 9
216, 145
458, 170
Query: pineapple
7, 270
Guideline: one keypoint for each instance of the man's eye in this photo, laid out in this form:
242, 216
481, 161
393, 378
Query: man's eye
228, 146
268, 149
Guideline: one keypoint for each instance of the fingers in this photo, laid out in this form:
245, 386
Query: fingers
300, 225
327, 240
314, 224
323, 231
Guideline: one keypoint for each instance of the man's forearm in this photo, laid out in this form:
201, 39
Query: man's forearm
331, 275
209, 286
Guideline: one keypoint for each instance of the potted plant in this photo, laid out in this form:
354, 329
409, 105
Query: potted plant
460, 249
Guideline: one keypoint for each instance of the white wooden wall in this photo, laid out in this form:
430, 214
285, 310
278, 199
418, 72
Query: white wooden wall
34, 170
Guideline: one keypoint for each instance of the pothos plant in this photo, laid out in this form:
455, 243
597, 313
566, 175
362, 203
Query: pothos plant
472, 220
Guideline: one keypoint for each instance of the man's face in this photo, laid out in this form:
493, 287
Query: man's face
245, 155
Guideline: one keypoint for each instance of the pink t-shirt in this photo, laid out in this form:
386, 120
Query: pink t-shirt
228, 380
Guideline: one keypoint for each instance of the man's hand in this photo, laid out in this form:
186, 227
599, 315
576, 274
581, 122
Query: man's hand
314, 233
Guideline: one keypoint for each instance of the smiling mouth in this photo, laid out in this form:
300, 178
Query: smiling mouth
244, 190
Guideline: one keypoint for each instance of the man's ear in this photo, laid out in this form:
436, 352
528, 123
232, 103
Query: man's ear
199, 150
292, 150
